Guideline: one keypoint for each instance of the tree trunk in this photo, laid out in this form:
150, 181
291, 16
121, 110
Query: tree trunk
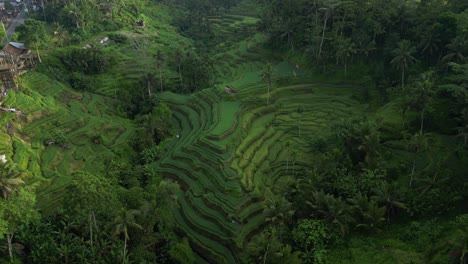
422, 120
404, 114
91, 229
10, 245
124, 250
180, 77
148, 83
402, 77
160, 78
268, 96
342, 25
38, 55
266, 252
345, 70
323, 34
412, 172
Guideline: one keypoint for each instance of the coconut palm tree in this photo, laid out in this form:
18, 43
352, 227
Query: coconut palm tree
458, 49
267, 76
122, 222
179, 57
423, 92
346, 48
334, 210
390, 196
277, 211
328, 10
370, 145
403, 57
432, 176
369, 214
160, 60
418, 143
463, 132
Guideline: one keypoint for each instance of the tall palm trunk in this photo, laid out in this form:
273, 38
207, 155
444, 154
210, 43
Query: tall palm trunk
91, 229
412, 172
148, 83
342, 25
266, 252
323, 34
10, 246
180, 77
345, 69
268, 96
160, 79
402, 77
403, 117
422, 120
38, 55
124, 250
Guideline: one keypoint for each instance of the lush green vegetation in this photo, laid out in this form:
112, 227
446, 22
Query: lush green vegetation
238, 131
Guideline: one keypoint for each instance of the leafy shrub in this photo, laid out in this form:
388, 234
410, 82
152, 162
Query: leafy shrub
91, 60
79, 82
118, 38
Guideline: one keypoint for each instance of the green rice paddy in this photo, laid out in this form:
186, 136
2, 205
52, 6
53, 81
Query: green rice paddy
52, 110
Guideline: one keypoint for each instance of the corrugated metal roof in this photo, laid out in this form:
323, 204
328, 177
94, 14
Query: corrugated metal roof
17, 45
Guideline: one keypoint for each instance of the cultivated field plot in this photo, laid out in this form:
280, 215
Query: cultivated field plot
68, 131
229, 149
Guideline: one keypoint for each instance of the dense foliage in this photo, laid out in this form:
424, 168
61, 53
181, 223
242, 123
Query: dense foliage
366, 182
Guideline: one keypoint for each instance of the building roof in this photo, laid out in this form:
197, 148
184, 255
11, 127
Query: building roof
17, 45
16, 49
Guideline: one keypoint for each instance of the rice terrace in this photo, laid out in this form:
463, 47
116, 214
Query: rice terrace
234, 131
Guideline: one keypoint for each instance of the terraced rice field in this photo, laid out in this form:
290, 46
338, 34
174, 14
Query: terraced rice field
91, 133
230, 148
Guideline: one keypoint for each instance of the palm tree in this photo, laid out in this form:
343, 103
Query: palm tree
346, 48
75, 13
334, 210
389, 195
267, 75
404, 102
10, 179
370, 144
458, 49
338, 213
435, 176
288, 30
328, 12
463, 132
403, 57
418, 143
422, 89
277, 211
369, 214
263, 245
179, 57
366, 48
430, 43
122, 222
160, 60
286, 255
60, 33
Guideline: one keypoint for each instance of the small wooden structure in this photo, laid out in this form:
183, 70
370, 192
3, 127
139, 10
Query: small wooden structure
13, 58
140, 23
